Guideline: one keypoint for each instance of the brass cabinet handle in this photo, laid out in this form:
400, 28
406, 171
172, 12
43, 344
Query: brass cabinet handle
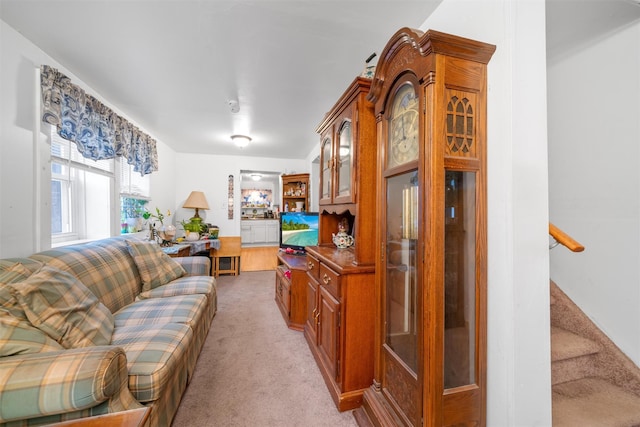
311, 265
326, 279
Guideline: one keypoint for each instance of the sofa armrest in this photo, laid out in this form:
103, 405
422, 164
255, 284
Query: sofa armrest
40, 384
195, 265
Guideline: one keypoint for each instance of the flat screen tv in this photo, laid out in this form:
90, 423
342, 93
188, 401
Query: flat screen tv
298, 229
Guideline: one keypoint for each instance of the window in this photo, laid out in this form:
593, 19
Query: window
134, 195
83, 194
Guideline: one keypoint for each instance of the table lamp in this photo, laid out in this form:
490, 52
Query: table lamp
196, 200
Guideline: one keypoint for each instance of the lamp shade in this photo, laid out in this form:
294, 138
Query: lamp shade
196, 200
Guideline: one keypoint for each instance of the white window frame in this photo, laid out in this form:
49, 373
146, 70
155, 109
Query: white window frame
74, 164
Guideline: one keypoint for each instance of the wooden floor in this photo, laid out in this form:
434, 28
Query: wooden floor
258, 258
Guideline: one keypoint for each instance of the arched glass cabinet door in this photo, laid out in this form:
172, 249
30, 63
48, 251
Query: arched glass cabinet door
344, 159
326, 161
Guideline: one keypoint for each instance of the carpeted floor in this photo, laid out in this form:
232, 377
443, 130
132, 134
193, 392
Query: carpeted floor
253, 370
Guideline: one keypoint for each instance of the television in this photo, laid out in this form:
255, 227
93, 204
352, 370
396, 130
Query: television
298, 229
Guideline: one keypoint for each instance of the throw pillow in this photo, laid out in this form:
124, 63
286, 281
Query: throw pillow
61, 306
8, 303
16, 273
19, 337
155, 267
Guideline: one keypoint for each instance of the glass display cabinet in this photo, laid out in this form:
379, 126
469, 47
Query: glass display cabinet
429, 92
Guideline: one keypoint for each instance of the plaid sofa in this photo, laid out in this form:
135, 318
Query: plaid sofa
100, 327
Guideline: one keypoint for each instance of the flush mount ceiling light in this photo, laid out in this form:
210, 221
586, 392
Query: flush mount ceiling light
240, 140
256, 176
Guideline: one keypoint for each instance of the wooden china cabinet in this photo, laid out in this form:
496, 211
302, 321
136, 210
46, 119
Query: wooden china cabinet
295, 191
429, 92
339, 325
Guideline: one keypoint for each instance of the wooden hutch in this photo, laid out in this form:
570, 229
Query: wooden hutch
295, 191
340, 317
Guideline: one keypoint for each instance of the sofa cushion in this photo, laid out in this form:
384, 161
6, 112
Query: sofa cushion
156, 355
185, 309
18, 336
61, 306
188, 285
155, 267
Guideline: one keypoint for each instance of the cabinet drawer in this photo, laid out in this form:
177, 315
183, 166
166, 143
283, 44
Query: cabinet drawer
330, 279
313, 267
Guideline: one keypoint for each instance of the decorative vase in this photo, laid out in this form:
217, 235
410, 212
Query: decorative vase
192, 235
167, 232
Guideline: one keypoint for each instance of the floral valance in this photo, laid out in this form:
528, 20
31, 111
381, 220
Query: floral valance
97, 131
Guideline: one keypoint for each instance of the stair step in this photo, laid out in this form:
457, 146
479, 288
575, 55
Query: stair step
594, 402
567, 345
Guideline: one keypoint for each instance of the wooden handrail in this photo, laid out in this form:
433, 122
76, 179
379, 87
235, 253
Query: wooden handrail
564, 239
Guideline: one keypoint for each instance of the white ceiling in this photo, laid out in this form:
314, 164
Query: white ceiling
172, 66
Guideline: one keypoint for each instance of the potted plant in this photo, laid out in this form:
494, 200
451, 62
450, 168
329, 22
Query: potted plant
165, 232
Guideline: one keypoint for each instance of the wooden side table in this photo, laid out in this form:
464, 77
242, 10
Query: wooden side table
132, 418
229, 248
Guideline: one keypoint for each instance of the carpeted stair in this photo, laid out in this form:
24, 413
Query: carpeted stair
593, 382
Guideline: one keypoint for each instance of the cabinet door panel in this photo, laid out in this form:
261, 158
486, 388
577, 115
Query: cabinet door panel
259, 233
286, 295
312, 309
273, 234
326, 170
245, 233
328, 331
344, 163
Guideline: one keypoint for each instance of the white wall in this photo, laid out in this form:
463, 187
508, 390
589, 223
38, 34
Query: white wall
313, 163
594, 181
19, 60
24, 214
163, 182
519, 384
209, 173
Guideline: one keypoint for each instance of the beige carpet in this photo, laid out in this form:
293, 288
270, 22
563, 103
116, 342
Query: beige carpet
253, 370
